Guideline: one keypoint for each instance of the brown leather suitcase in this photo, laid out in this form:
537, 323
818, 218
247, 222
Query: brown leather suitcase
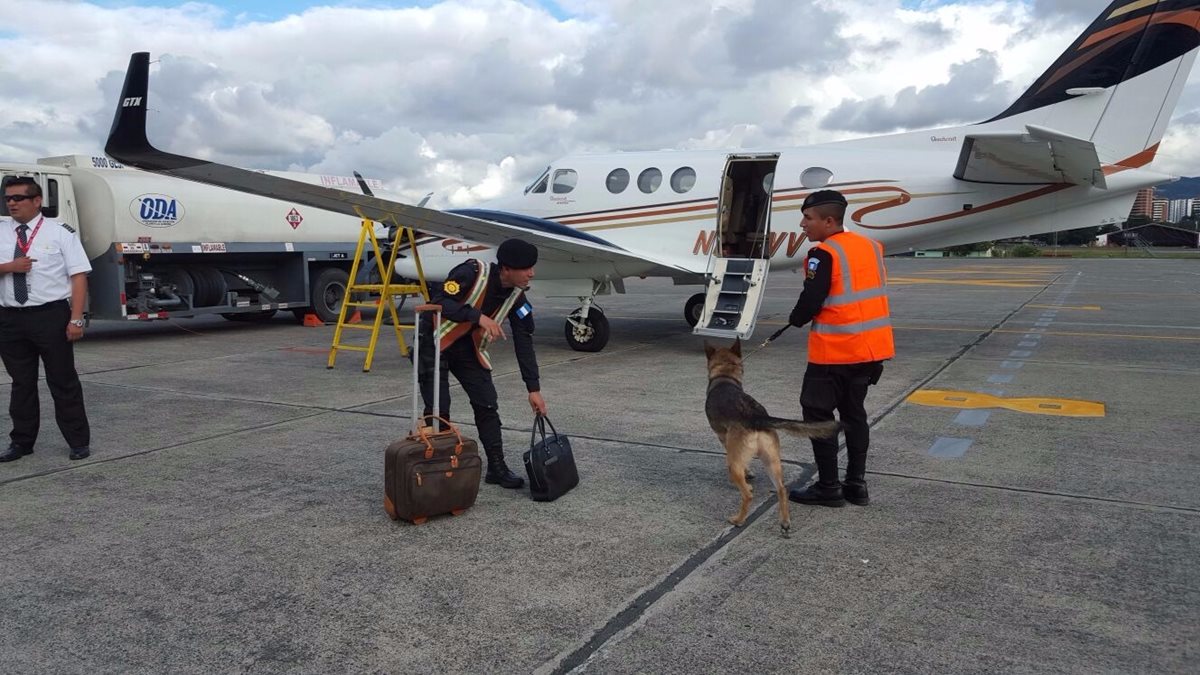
430, 473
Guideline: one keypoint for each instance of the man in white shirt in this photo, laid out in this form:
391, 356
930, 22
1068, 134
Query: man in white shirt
42, 265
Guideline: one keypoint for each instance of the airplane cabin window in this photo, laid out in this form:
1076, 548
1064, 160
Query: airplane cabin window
617, 181
564, 181
683, 179
816, 177
649, 180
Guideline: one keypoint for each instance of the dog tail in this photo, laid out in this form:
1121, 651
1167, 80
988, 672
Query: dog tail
805, 429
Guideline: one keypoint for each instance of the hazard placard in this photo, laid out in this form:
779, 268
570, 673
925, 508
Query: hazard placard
294, 218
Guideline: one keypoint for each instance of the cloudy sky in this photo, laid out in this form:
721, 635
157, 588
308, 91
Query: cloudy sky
472, 98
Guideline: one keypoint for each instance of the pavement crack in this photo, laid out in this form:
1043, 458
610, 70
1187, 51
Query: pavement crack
627, 618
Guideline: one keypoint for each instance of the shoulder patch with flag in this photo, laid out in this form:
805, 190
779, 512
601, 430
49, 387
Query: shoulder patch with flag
524, 310
813, 264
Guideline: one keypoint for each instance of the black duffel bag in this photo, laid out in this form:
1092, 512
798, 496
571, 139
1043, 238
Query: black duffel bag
549, 463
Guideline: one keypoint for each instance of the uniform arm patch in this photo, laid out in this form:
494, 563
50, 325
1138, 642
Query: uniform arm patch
524, 310
451, 287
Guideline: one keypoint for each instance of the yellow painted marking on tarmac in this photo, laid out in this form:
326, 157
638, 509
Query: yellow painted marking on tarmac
1000, 283
971, 400
1084, 308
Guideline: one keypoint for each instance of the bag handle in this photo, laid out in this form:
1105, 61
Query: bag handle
539, 425
423, 433
437, 362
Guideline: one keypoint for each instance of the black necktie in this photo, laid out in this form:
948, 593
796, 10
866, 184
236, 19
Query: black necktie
20, 288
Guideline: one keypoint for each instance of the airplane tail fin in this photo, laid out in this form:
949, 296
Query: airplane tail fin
1119, 82
129, 123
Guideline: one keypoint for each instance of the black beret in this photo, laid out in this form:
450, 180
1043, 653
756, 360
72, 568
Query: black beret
822, 197
517, 254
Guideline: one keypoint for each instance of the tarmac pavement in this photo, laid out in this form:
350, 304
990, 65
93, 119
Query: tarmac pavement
230, 518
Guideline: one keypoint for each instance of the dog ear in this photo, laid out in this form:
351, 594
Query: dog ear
708, 350
737, 347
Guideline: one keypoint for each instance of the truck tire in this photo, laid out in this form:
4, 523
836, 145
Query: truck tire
327, 293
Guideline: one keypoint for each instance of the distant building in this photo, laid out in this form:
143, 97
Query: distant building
1155, 235
1178, 209
1143, 205
1158, 210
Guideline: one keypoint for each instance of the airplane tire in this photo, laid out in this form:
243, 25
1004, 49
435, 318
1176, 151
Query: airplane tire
594, 337
328, 292
693, 309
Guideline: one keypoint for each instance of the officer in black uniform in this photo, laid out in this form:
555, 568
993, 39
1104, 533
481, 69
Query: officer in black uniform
42, 264
475, 298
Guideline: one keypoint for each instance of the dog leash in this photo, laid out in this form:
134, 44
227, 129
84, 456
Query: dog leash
766, 342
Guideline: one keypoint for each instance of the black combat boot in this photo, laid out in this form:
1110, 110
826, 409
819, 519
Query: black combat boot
855, 492
819, 494
855, 489
498, 473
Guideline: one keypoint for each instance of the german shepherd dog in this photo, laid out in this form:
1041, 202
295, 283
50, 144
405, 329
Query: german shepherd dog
747, 431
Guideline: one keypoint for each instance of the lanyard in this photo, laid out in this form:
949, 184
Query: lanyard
29, 242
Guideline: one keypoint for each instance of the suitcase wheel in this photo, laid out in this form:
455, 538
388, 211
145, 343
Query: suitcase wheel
419, 521
457, 512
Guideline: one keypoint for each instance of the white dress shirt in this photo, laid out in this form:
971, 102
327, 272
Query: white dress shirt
57, 254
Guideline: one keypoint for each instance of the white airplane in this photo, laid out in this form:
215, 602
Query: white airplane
1071, 152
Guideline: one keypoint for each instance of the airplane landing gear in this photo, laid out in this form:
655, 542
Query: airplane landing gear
693, 309
587, 328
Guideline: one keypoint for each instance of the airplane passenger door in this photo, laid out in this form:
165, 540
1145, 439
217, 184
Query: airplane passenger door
741, 254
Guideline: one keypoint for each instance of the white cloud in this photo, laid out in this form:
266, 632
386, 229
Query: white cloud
472, 98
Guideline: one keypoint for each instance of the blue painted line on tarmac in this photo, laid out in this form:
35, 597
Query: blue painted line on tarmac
1019, 354
973, 418
1000, 379
1012, 365
950, 448
1027, 343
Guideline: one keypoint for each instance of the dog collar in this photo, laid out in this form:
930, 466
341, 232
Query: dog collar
712, 384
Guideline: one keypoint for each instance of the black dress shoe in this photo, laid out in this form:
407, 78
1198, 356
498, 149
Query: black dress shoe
498, 473
818, 495
15, 452
80, 453
855, 492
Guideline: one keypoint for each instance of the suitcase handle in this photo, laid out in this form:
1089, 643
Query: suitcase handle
437, 364
424, 434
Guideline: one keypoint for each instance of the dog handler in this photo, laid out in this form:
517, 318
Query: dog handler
845, 298
475, 298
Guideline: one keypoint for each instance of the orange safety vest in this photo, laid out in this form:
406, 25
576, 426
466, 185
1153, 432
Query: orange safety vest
854, 325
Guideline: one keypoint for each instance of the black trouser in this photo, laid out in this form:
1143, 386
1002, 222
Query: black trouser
460, 359
842, 388
27, 333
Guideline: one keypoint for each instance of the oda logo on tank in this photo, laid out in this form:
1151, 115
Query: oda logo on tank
155, 210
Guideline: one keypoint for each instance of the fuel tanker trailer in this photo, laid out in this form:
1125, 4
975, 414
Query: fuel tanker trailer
164, 247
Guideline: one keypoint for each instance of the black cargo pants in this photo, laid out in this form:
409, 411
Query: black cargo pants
842, 388
460, 360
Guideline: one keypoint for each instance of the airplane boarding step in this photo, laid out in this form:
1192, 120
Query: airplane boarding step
733, 297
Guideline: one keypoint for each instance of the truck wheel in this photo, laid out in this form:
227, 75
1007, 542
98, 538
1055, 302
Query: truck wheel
592, 335
328, 292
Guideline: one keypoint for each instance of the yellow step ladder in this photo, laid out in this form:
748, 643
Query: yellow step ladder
387, 291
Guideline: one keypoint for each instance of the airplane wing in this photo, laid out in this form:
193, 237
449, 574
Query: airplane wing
1037, 157
128, 144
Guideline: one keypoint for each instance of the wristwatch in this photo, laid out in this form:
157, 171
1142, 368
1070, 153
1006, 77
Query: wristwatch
77, 322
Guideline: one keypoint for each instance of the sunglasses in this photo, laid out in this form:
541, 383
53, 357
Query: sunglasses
17, 198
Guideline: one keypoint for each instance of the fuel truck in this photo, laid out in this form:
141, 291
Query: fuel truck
163, 247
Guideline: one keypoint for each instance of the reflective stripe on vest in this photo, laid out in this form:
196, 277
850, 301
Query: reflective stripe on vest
853, 325
449, 331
